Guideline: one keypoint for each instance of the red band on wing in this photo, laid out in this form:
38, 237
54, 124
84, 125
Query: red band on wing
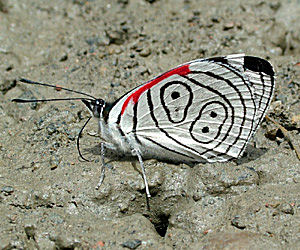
183, 70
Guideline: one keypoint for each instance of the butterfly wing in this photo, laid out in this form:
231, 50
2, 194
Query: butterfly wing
206, 109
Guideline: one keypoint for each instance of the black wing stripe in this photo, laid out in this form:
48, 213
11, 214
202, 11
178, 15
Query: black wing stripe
151, 107
134, 122
224, 63
228, 102
169, 149
260, 66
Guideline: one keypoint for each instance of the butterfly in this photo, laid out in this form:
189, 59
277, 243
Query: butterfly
206, 110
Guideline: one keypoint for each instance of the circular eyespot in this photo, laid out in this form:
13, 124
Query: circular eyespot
175, 95
213, 114
205, 130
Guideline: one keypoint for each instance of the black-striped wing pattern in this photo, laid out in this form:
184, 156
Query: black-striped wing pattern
204, 110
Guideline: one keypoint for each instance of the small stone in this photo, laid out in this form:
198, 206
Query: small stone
54, 162
286, 208
64, 241
197, 197
7, 84
7, 190
143, 70
215, 19
296, 119
123, 2
271, 134
123, 207
275, 5
236, 222
117, 74
98, 40
4, 9
132, 244
64, 57
228, 26
30, 230
145, 52
116, 37
51, 129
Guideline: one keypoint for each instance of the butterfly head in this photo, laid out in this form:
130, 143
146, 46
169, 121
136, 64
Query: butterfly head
96, 106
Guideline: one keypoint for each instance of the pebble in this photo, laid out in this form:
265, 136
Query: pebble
115, 37
30, 230
6, 85
64, 57
132, 244
145, 52
7, 190
228, 26
236, 222
51, 129
286, 208
98, 40
65, 241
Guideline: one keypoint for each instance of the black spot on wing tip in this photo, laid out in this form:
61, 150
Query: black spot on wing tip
220, 59
257, 64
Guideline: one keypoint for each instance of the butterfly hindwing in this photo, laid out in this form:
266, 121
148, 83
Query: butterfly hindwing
207, 109
260, 75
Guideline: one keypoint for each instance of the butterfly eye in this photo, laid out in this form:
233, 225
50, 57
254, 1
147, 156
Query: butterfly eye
98, 107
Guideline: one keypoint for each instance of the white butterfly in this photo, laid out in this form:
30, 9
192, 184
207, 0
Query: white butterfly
203, 110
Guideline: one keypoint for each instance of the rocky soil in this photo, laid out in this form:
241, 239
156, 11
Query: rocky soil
47, 195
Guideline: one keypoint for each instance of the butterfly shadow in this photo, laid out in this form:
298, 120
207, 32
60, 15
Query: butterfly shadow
250, 154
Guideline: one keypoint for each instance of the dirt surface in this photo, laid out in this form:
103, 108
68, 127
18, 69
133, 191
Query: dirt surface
47, 195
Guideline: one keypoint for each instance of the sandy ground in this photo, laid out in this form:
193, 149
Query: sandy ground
48, 198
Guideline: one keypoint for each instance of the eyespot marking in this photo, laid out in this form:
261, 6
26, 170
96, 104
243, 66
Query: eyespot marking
205, 130
175, 95
213, 114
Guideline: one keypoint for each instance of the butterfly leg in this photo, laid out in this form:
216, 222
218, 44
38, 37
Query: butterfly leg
102, 175
138, 154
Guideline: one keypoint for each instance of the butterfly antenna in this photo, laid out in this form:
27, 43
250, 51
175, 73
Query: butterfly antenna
78, 140
50, 100
57, 87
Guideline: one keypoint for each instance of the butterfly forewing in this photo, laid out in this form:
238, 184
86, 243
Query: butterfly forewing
203, 110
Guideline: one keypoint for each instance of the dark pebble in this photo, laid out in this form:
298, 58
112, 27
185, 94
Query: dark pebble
6, 85
236, 222
64, 58
132, 244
